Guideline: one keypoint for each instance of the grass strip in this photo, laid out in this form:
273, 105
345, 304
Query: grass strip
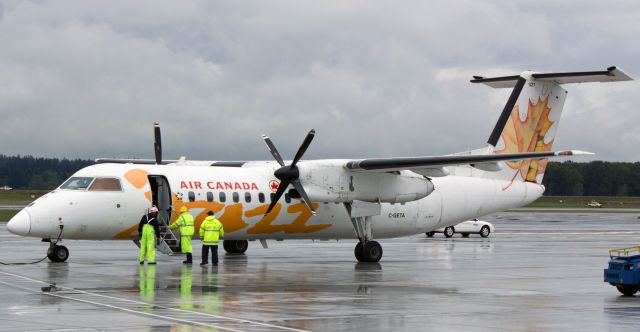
5, 215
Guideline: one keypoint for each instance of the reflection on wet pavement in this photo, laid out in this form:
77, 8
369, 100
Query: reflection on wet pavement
539, 272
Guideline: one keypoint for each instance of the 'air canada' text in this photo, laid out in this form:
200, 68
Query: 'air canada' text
217, 185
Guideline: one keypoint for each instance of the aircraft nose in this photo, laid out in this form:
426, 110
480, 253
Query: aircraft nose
20, 224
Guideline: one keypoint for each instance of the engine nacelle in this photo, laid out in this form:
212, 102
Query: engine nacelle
336, 184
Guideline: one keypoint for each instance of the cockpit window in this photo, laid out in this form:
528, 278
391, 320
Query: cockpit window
77, 183
106, 184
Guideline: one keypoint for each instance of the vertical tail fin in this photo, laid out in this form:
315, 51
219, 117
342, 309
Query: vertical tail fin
530, 118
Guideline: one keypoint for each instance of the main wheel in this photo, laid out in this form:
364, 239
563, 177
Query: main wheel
627, 290
485, 231
449, 231
372, 252
430, 234
235, 246
59, 254
358, 252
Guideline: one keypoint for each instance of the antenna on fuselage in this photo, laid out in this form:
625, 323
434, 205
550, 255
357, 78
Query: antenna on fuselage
157, 143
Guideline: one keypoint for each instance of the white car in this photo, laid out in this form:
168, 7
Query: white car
465, 228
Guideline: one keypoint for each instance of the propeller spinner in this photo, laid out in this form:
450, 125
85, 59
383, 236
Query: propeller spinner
289, 174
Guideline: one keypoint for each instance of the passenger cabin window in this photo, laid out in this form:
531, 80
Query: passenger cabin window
209, 196
287, 198
105, 184
77, 183
192, 196
247, 197
236, 197
261, 197
223, 197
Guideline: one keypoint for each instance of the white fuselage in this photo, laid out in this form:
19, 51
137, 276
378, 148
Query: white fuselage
114, 214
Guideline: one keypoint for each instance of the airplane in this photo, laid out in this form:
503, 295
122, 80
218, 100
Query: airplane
327, 199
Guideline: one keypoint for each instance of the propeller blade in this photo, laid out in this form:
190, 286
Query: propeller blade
157, 143
281, 189
296, 184
273, 150
303, 147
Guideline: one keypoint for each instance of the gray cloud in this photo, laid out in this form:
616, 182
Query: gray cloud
88, 79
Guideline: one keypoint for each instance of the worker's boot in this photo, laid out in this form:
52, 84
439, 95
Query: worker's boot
189, 259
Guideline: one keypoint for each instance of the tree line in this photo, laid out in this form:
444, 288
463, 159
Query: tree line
28, 172
596, 178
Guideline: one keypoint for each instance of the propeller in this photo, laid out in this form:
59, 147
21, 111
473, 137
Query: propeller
289, 174
157, 143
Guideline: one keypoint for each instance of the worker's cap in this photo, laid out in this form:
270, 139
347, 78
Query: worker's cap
184, 209
154, 209
209, 213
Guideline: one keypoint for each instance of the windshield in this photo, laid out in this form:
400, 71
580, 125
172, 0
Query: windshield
77, 183
105, 184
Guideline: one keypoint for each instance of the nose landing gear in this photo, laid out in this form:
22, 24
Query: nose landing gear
57, 253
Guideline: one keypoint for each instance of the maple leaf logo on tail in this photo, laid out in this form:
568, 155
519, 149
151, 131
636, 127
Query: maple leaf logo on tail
528, 135
544, 96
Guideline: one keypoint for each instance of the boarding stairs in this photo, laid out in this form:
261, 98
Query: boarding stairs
169, 243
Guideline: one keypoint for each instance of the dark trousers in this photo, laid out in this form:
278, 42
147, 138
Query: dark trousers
214, 254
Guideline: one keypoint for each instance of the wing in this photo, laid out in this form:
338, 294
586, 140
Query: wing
167, 162
131, 161
418, 163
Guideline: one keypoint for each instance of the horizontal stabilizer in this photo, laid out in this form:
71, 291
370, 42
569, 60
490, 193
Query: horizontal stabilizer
612, 74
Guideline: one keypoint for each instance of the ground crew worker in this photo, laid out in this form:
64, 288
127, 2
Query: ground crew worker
149, 235
211, 231
185, 222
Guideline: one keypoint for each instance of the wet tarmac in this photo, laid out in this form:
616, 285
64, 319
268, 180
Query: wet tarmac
537, 272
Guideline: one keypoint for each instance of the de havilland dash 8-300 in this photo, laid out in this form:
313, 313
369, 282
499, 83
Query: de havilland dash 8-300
363, 199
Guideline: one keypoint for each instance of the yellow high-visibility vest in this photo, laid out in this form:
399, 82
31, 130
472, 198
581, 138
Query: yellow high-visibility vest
211, 231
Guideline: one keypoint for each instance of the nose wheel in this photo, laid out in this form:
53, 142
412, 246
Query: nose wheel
57, 253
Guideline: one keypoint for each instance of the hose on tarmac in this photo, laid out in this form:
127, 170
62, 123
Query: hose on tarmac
24, 263
34, 262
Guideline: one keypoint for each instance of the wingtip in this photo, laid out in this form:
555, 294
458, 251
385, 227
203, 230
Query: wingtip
582, 153
574, 153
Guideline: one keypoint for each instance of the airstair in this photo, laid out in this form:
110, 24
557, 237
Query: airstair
169, 243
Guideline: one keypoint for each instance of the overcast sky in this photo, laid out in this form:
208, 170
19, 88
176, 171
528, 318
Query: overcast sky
87, 79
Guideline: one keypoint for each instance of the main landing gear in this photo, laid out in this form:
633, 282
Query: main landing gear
366, 250
370, 252
235, 246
